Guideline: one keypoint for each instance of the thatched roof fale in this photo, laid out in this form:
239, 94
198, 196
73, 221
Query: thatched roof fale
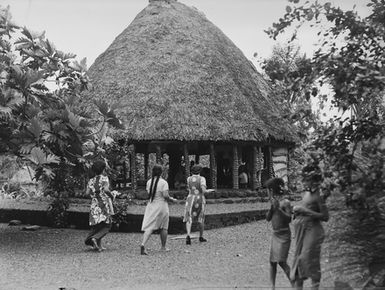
176, 76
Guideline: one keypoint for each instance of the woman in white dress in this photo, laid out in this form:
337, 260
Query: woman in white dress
156, 216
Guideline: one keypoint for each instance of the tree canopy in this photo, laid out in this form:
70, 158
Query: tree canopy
350, 59
40, 117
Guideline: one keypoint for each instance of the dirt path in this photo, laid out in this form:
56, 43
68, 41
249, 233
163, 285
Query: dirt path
234, 257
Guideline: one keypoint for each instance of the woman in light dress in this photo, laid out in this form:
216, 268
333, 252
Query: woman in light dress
156, 215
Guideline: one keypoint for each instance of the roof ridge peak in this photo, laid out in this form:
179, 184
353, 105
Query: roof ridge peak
167, 1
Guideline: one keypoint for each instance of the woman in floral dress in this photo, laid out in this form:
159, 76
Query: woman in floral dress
196, 202
101, 206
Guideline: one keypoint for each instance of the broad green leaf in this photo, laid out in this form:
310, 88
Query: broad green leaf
51, 158
74, 120
5, 112
102, 107
26, 148
35, 127
65, 56
32, 35
83, 64
13, 98
49, 173
75, 66
26, 32
50, 47
39, 157
33, 77
23, 43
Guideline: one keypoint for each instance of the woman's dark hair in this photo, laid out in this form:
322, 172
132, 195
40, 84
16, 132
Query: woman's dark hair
98, 166
242, 168
196, 169
275, 185
156, 173
312, 173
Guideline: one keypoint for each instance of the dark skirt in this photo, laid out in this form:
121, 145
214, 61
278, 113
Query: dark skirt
308, 237
97, 232
280, 245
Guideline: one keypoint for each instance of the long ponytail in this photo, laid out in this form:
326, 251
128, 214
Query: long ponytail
153, 187
156, 173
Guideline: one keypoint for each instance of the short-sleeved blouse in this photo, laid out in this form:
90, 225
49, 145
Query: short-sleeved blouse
161, 187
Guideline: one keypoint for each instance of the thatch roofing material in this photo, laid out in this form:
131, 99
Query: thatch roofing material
176, 76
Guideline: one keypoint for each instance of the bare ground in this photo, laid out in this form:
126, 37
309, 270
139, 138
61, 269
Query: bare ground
234, 257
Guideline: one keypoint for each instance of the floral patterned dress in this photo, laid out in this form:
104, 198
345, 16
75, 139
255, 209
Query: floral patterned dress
101, 204
196, 201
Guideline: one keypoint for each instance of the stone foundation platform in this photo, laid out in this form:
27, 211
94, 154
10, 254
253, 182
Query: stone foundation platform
219, 213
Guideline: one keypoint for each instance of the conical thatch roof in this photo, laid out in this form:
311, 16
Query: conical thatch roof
176, 76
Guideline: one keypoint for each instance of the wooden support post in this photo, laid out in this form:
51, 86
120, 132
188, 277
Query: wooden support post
235, 167
159, 159
186, 160
254, 183
240, 155
271, 163
197, 159
213, 166
146, 165
289, 151
133, 168
257, 166
174, 165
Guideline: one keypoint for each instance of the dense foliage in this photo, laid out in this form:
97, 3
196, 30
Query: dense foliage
351, 60
289, 73
41, 120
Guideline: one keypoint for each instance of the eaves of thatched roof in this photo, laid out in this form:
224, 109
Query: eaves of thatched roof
175, 76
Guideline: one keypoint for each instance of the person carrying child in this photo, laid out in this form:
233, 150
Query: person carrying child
280, 216
101, 210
